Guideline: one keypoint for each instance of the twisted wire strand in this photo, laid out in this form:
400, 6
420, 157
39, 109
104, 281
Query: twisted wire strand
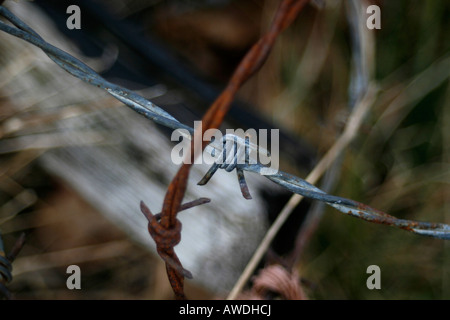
5, 277
158, 115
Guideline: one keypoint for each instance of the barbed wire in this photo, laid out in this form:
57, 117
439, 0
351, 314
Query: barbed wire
152, 112
6, 264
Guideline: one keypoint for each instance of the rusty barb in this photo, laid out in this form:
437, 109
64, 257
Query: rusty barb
165, 227
166, 240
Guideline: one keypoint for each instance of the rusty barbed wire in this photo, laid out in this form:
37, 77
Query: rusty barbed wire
6, 265
164, 227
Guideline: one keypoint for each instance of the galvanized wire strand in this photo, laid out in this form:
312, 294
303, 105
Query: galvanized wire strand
158, 115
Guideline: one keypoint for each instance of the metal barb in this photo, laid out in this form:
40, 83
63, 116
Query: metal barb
167, 238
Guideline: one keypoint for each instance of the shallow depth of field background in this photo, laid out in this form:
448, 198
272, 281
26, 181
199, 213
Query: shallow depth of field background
399, 163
